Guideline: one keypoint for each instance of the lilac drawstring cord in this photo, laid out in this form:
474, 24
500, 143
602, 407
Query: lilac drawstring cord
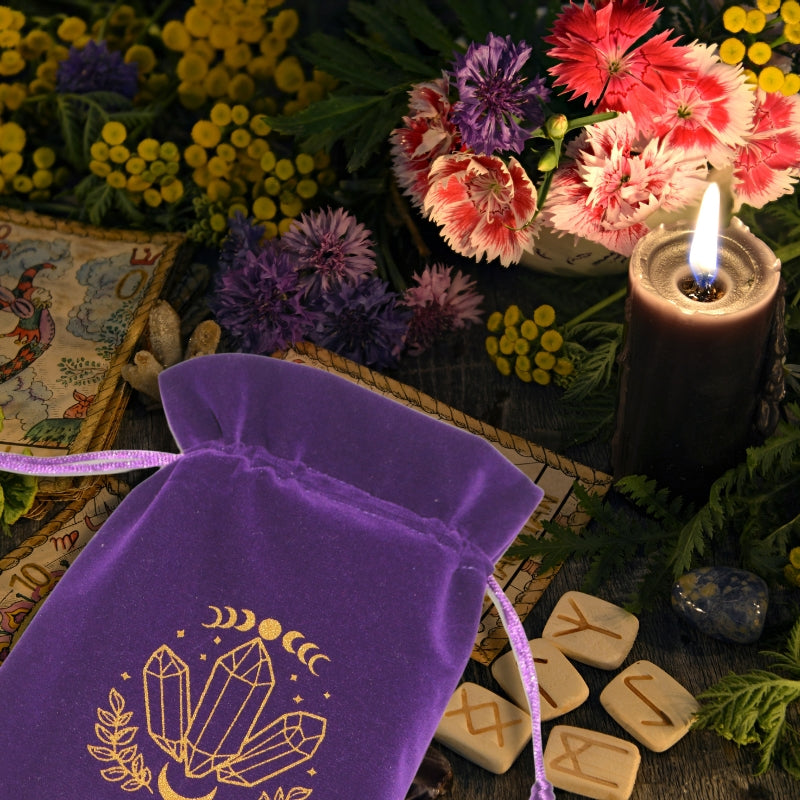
542, 789
101, 462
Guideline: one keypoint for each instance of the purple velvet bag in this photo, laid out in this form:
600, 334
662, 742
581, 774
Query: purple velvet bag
282, 610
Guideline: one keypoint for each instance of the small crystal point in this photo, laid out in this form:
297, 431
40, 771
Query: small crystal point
288, 741
167, 701
228, 710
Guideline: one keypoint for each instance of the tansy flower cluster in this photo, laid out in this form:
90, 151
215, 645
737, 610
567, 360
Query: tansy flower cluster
235, 165
764, 38
528, 347
655, 118
137, 120
319, 282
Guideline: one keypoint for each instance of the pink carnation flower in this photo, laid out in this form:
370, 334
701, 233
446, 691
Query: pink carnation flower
617, 178
484, 206
595, 47
427, 134
767, 165
441, 302
710, 113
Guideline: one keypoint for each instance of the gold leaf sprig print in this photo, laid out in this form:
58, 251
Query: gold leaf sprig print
297, 793
118, 748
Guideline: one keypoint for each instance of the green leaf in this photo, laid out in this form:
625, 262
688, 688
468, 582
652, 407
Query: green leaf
18, 496
752, 708
425, 26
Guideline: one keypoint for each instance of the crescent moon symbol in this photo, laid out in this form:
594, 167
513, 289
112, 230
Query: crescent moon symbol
231, 621
289, 638
216, 622
303, 649
313, 659
168, 793
250, 620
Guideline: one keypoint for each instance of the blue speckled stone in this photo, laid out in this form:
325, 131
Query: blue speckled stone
723, 602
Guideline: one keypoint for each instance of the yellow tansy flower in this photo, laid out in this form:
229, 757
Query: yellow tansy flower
755, 21
759, 53
42, 179
148, 149
791, 84
240, 138
11, 63
734, 19
552, 341
264, 208
172, 191
732, 51
222, 37
10, 164
289, 75
238, 56
240, 114
175, 37
241, 88
143, 56
22, 184
770, 79
195, 155
12, 138
197, 22
119, 154
206, 133
114, 133
286, 23
71, 29
44, 157
790, 11
117, 179
544, 315
541, 376
192, 67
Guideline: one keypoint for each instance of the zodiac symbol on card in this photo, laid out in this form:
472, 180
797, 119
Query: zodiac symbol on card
35, 328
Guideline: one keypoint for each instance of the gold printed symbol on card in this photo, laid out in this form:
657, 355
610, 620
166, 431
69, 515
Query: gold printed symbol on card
575, 746
497, 725
663, 718
583, 624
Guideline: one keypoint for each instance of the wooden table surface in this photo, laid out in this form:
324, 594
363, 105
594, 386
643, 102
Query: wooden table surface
701, 766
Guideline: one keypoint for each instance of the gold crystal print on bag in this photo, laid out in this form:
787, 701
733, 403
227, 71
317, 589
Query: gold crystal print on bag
208, 706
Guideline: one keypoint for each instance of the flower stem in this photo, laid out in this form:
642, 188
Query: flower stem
582, 122
788, 252
599, 306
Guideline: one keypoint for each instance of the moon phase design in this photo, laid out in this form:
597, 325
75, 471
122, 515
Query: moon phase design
233, 615
249, 620
303, 649
311, 661
269, 629
288, 640
168, 793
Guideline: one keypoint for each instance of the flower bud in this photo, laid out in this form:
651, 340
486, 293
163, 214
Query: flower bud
557, 126
548, 162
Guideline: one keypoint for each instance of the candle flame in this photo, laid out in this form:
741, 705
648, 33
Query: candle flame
703, 251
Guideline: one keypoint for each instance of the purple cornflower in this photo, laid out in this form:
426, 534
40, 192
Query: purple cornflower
244, 236
363, 322
493, 98
95, 68
258, 301
441, 302
330, 248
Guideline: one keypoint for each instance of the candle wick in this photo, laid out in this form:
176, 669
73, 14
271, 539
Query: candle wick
701, 291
